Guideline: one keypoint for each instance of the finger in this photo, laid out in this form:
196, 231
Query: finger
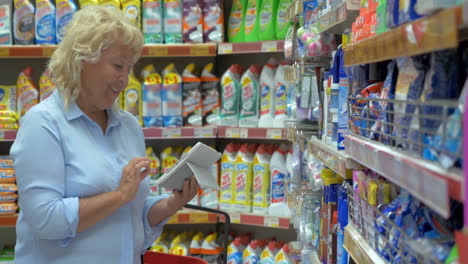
141, 167
135, 161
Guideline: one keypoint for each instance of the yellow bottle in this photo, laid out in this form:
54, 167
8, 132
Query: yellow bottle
133, 98
110, 3
84, 3
132, 9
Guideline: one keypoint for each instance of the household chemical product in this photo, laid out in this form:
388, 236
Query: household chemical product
110, 4
210, 248
278, 173
23, 22
154, 172
249, 99
236, 249
132, 10
8, 103
27, 93
210, 96
261, 179
213, 21
133, 98
152, 20
269, 253
282, 21
267, 29
65, 10
172, 97
196, 244
242, 197
228, 172
282, 257
180, 245
46, 86
230, 93
151, 100
252, 20
342, 129
172, 21
191, 97
5, 22
236, 21
85, 3
267, 95
252, 252
281, 93
192, 21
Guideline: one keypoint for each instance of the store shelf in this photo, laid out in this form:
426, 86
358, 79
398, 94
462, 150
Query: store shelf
436, 32
179, 132
196, 217
426, 180
8, 220
252, 133
336, 160
251, 47
357, 247
8, 135
338, 19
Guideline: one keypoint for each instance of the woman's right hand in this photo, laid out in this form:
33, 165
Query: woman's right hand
132, 174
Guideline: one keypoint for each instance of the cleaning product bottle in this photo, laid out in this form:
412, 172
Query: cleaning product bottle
235, 251
192, 21
65, 11
172, 21
267, 96
269, 253
85, 3
251, 20
228, 171
230, 91
23, 22
196, 244
210, 96
268, 20
281, 93
251, 254
132, 10
236, 21
210, 248
213, 21
261, 179
110, 4
151, 102
191, 97
154, 172
282, 22
282, 257
6, 31
242, 197
152, 20
133, 98
278, 173
28, 95
249, 99
46, 86
172, 97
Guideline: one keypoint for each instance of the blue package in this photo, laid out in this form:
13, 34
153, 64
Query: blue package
342, 102
388, 93
310, 12
392, 13
407, 11
342, 256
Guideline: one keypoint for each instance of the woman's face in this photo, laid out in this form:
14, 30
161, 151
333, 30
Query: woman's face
103, 81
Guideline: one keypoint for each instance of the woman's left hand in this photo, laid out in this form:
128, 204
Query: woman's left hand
189, 190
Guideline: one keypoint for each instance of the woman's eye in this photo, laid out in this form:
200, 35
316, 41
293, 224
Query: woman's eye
118, 66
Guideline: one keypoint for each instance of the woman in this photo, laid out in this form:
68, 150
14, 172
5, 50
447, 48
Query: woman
79, 159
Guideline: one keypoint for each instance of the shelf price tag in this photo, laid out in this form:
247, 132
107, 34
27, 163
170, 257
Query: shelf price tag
274, 133
269, 46
235, 218
171, 132
271, 221
47, 51
203, 132
158, 51
244, 132
199, 50
4, 52
225, 48
2, 135
233, 132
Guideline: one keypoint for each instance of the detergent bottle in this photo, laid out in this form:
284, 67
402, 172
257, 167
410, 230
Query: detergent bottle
114, 4
172, 97
213, 21
252, 20
282, 21
243, 181
65, 11
281, 93
151, 103
269, 253
267, 94
191, 97
132, 10
210, 96
278, 173
23, 22
252, 252
282, 257
152, 20
46, 86
228, 171
27, 93
172, 21
192, 21
267, 20
261, 179
249, 99
133, 98
85, 3
230, 96
236, 21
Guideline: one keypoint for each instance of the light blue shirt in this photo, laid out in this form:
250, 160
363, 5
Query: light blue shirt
61, 156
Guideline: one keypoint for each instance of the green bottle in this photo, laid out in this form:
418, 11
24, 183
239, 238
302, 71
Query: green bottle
236, 21
282, 22
267, 28
252, 20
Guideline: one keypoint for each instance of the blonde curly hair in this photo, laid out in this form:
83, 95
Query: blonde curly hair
92, 30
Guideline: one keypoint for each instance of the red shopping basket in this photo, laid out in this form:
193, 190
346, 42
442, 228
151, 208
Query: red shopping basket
156, 258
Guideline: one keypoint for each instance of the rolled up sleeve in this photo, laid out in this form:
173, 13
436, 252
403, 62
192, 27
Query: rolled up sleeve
40, 172
152, 232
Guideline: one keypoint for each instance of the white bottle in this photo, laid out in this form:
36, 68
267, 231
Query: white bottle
289, 169
249, 99
278, 173
281, 95
267, 95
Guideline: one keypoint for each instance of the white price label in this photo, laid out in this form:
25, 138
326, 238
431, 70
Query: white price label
244, 132
436, 191
271, 221
225, 48
171, 132
233, 132
274, 133
269, 46
2, 135
235, 218
203, 132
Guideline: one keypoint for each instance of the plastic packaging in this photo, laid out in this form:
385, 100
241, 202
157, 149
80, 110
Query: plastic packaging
282, 22
228, 172
133, 98
192, 21
132, 10
268, 20
267, 95
213, 21
210, 96
6, 7
155, 171
172, 97
153, 21
23, 22
8, 103
261, 179
252, 20
115, 4
191, 97
236, 21
46, 86
172, 21
151, 100
27, 93
242, 197
65, 11
230, 91
281, 92
249, 99
278, 173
